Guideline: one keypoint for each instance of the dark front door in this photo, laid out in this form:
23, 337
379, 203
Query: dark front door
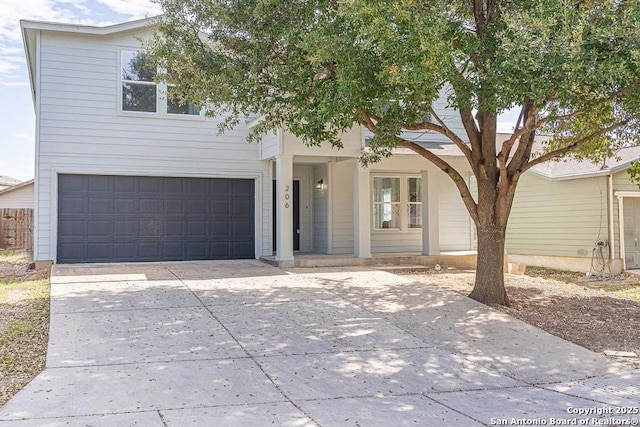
134, 218
296, 216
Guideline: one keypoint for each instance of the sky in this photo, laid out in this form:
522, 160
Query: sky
17, 119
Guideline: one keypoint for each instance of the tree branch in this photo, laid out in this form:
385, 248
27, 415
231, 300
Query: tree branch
564, 150
441, 128
455, 176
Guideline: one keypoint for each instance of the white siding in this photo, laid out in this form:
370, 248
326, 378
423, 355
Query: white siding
320, 211
270, 145
81, 131
454, 220
557, 218
342, 206
352, 141
19, 198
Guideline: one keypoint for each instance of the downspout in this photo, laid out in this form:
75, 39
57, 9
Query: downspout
621, 229
612, 238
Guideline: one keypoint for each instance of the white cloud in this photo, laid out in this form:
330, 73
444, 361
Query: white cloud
9, 83
21, 135
9, 64
47, 10
133, 8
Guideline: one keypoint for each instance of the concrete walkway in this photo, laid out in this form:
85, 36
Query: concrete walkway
241, 343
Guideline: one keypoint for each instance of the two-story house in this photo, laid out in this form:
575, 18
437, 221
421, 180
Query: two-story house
125, 174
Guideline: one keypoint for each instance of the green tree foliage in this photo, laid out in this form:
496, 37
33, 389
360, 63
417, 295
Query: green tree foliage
320, 67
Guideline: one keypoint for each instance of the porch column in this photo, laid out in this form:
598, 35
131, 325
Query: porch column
284, 207
361, 212
430, 220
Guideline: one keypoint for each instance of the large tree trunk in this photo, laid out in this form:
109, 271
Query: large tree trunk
489, 285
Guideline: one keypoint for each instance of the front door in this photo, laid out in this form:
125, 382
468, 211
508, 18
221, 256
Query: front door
632, 232
296, 215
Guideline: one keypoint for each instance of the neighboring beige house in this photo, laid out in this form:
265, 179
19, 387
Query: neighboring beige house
6, 182
568, 214
17, 196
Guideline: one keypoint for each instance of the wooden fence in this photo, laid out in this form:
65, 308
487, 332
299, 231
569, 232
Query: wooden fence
16, 229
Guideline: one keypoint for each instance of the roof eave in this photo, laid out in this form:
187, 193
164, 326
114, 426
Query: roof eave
86, 29
16, 187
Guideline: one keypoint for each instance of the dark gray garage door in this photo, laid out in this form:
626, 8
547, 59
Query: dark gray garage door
123, 218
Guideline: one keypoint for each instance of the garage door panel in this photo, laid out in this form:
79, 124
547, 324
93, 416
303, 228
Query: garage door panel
173, 251
242, 228
197, 250
219, 249
150, 206
125, 250
242, 208
220, 188
196, 207
125, 184
150, 227
240, 250
149, 184
197, 230
100, 228
109, 218
219, 229
173, 185
197, 186
174, 228
73, 227
99, 184
220, 207
75, 252
149, 251
100, 206
100, 251
73, 205
123, 228
73, 183
243, 187
124, 206
173, 207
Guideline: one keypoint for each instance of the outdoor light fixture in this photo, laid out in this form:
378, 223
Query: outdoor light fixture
320, 185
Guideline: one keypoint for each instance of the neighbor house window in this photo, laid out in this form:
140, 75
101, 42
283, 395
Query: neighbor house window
397, 203
140, 92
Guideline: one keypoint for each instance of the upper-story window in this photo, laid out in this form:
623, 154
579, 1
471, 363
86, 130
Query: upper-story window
140, 93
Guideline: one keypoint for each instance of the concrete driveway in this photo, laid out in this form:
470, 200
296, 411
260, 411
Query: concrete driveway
241, 343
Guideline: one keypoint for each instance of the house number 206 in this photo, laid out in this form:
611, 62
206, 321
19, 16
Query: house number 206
286, 196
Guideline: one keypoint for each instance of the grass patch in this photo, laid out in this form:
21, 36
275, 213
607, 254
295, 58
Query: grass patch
8, 256
24, 322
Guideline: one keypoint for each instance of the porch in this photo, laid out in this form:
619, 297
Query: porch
456, 259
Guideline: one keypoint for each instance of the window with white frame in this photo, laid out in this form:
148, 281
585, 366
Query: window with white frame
397, 203
141, 94
414, 202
